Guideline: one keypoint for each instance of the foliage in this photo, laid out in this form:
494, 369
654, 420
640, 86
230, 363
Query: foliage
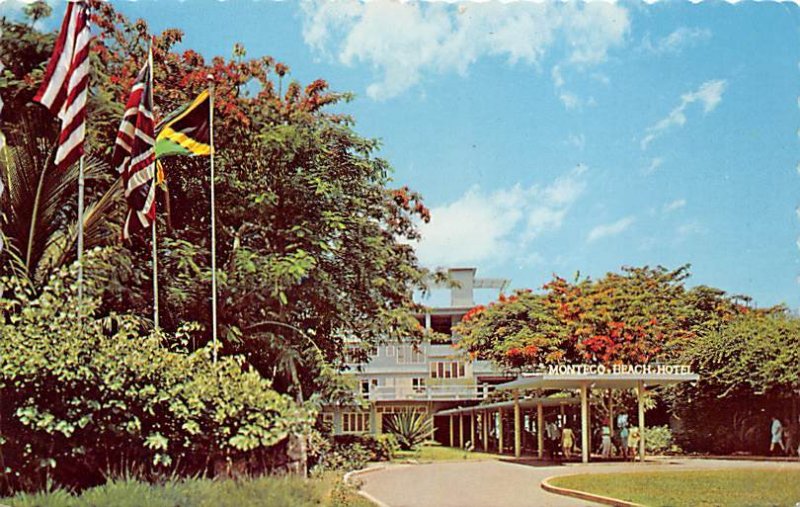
658, 440
349, 452
411, 429
381, 447
637, 316
748, 371
84, 395
327, 491
313, 244
325, 455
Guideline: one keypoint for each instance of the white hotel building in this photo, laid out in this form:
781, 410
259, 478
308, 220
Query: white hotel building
426, 378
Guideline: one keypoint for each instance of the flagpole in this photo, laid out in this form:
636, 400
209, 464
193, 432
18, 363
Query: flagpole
155, 218
213, 221
80, 232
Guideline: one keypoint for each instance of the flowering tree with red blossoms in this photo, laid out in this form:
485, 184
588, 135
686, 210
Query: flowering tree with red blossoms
634, 317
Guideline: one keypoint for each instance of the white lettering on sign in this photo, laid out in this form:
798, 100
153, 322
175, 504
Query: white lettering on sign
619, 369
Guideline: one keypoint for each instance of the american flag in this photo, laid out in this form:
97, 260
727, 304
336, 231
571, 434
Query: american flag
135, 155
66, 82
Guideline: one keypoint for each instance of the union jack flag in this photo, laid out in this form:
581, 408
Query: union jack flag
135, 156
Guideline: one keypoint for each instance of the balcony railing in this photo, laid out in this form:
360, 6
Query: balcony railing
455, 392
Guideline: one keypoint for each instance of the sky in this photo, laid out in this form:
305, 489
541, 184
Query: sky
552, 138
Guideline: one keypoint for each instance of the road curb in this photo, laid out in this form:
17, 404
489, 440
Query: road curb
357, 473
582, 495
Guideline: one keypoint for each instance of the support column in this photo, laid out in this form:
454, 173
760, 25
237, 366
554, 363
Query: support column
540, 430
640, 396
374, 420
500, 431
461, 430
485, 428
611, 410
585, 423
472, 429
451, 431
517, 426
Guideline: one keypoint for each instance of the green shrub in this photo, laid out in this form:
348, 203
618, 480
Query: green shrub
327, 490
380, 447
658, 440
348, 452
83, 397
410, 429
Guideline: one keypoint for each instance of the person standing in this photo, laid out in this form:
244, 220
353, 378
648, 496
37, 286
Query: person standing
606, 434
633, 442
567, 441
552, 438
777, 436
622, 425
624, 432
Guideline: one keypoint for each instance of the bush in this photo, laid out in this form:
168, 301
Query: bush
327, 490
411, 429
658, 440
349, 452
380, 447
84, 397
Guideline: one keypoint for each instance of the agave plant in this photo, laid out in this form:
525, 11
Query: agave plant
39, 220
410, 428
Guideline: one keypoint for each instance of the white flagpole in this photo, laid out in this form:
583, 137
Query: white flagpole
80, 231
213, 221
155, 219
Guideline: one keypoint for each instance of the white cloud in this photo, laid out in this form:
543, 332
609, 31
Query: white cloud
608, 230
653, 166
690, 229
682, 37
404, 41
709, 95
483, 227
570, 100
674, 205
576, 141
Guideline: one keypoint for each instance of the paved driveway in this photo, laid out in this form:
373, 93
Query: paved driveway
506, 484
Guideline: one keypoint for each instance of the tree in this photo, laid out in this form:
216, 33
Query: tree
748, 373
313, 244
637, 316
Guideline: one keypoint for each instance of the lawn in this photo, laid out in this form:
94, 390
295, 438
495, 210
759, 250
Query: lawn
729, 488
327, 491
434, 452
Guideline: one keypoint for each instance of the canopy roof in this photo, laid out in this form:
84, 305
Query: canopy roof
523, 403
546, 381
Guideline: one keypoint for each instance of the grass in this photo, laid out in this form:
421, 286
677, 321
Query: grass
325, 491
434, 452
729, 488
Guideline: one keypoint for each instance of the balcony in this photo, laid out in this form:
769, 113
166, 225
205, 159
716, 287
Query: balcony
432, 393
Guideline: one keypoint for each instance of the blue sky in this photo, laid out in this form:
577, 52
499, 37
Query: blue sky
553, 138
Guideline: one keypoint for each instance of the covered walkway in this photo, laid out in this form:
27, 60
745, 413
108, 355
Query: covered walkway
490, 416
585, 382
488, 419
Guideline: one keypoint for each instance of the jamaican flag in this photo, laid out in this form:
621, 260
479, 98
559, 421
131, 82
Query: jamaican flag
186, 131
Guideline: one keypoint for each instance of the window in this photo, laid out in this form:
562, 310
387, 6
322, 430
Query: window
408, 354
447, 369
418, 384
365, 387
390, 351
442, 324
355, 422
